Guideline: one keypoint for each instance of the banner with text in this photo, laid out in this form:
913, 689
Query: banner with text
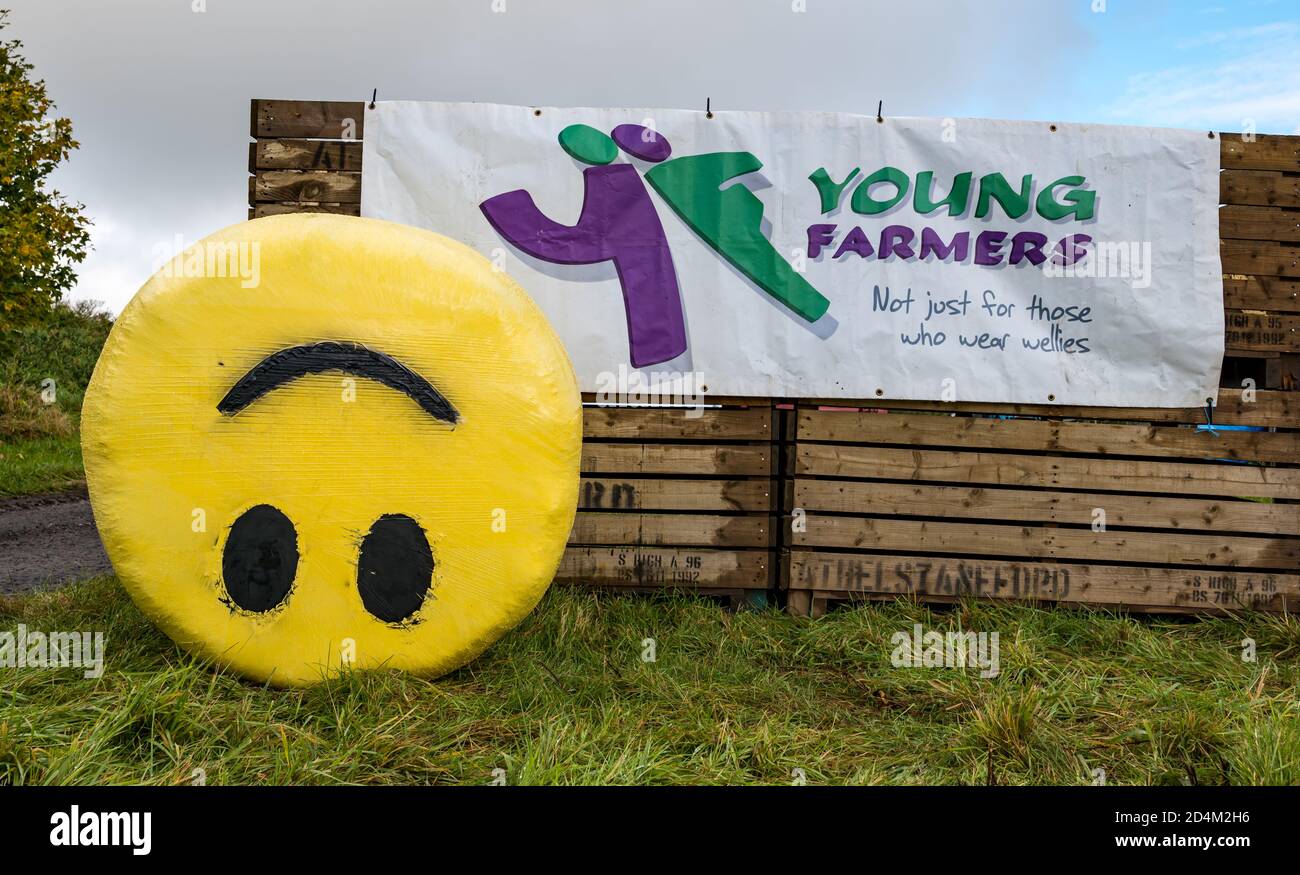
825, 255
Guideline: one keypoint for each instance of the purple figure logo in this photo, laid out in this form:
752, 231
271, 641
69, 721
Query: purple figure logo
619, 224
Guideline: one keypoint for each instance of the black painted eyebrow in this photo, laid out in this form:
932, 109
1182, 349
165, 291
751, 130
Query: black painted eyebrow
335, 355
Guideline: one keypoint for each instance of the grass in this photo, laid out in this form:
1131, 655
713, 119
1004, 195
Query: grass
735, 699
566, 698
61, 347
38, 465
44, 369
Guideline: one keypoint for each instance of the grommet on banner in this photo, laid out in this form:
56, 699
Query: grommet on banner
879, 108
708, 107
1209, 418
374, 94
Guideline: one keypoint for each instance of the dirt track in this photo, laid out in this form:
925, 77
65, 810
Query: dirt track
48, 540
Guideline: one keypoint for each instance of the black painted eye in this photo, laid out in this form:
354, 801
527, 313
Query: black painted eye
260, 558
395, 569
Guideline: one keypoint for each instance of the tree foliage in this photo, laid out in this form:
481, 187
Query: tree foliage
42, 235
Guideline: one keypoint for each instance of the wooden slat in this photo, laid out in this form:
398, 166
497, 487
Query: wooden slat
307, 185
645, 423
820, 601
657, 529
708, 401
1261, 293
1069, 472
1252, 188
615, 493
1259, 257
920, 429
1283, 372
261, 210
650, 567
1259, 223
1235, 407
1261, 332
703, 459
322, 119
1266, 152
909, 575
304, 155
991, 539
1022, 505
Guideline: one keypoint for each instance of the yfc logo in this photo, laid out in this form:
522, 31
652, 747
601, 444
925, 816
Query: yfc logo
618, 223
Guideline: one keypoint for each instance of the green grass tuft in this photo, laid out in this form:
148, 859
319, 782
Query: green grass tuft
45, 366
61, 347
746, 698
38, 465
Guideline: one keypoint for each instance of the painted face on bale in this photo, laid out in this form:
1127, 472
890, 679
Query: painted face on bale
361, 453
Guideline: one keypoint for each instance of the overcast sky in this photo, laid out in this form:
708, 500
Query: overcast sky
158, 92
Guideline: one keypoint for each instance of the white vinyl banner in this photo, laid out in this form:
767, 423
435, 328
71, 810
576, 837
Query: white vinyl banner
826, 255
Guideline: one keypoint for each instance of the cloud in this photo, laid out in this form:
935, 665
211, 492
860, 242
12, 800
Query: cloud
1239, 77
158, 94
1282, 29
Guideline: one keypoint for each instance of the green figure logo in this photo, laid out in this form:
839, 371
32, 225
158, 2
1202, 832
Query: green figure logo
619, 224
730, 221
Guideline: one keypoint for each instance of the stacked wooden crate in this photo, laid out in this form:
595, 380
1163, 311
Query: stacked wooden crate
1259, 230
305, 157
676, 498
1105, 506
1132, 507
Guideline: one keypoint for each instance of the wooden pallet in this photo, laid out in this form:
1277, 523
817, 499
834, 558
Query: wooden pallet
673, 498
305, 157
1259, 229
1095, 506
987, 500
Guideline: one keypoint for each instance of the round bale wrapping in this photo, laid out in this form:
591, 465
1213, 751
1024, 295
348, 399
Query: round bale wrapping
317, 443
